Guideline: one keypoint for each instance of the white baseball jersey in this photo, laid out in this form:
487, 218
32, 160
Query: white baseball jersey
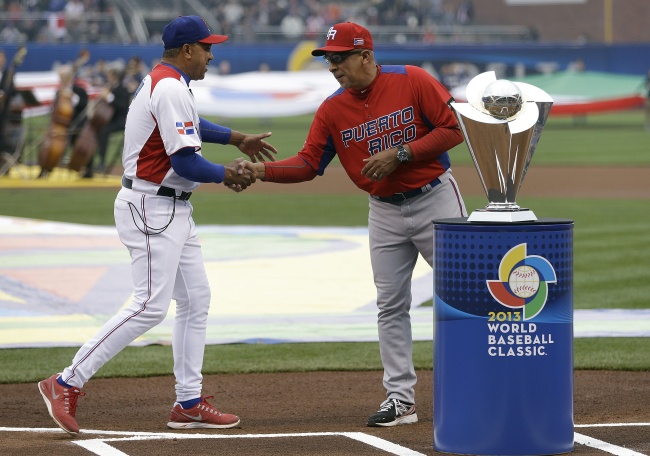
162, 119
161, 237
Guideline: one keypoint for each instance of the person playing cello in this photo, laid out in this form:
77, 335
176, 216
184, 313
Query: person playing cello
118, 97
68, 116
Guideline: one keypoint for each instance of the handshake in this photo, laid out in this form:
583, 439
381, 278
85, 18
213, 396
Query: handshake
241, 174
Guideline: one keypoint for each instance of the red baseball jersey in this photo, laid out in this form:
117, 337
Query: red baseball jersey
404, 104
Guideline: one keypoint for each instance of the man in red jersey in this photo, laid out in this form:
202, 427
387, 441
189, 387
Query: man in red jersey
391, 127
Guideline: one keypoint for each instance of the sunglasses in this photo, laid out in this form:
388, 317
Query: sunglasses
340, 56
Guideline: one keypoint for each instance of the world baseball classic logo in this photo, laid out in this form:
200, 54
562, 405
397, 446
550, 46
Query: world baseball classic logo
523, 281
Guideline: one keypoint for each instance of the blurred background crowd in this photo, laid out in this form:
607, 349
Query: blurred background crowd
391, 21
131, 21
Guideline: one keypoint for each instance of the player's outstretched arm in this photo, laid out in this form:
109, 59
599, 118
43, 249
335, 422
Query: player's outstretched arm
286, 171
254, 146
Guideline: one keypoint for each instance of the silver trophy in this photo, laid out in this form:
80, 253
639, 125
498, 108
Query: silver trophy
502, 122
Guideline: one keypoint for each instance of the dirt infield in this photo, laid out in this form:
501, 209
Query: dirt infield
332, 402
546, 181
543, 181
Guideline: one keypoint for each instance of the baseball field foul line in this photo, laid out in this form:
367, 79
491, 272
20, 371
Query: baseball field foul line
101, 448
604, 446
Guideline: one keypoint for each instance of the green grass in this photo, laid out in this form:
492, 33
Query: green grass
611, 249
95, 207
612, 353
605, 139
33, 364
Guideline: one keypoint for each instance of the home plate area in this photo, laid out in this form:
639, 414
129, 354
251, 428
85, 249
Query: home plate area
121, 443
299, 413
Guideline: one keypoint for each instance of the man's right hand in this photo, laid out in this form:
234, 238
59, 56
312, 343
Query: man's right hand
238, 176
259, 169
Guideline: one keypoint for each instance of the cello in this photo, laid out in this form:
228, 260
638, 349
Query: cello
57, 138
86, 143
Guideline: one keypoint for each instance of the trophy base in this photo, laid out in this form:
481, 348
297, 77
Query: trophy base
482, 215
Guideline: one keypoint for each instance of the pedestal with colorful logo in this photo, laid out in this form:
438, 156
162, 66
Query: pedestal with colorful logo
503, 337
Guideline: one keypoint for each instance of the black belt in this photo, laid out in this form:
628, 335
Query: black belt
162, 191
399, 197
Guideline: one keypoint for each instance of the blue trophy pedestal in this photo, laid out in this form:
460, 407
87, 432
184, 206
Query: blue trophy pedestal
503, 337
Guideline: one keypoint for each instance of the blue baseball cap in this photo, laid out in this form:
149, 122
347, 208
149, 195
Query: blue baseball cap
188, 30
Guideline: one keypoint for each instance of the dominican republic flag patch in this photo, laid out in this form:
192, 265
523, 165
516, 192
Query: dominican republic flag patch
185, 128
358, 41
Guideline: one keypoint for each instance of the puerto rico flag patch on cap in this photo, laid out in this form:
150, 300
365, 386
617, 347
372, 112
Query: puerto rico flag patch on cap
185, 128
358, 42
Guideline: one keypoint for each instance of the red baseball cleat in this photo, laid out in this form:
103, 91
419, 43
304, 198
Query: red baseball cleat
201, 416
61, 403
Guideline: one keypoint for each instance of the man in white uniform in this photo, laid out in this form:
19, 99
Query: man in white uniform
162, 166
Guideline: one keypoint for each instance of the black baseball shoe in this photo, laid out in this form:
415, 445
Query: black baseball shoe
393, 412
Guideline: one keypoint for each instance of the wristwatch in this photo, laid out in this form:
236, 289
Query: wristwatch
402, 154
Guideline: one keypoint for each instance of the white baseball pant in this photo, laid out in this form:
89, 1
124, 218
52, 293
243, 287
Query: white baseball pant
166, 264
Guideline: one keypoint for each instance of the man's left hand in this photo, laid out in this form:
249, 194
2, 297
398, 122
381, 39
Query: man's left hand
381, 164
256, 148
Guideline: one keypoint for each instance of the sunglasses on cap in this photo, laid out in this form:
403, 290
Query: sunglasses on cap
340, 56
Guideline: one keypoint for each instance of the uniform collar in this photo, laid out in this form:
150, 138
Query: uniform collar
365, 92
185, 77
